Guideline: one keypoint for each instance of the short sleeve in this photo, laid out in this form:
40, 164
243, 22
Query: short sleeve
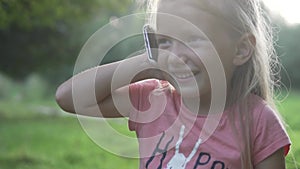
270, 135
139, 93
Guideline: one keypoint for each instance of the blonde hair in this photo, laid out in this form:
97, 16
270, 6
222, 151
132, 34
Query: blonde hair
257, 75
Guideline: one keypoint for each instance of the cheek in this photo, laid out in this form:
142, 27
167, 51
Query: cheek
227, 52
163, 65
218, 59
227, 57
228, 66
163, 59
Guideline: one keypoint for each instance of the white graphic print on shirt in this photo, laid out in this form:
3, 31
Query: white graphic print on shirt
179, 161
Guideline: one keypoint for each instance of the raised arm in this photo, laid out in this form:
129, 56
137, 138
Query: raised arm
90, 90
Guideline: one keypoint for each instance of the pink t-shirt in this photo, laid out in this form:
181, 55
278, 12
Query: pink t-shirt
168, 132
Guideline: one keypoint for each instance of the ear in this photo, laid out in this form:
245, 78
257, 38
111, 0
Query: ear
245, 49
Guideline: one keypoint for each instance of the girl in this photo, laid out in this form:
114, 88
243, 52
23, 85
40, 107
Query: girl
169, 110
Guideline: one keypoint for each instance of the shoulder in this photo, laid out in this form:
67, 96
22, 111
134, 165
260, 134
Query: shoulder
264, 115
262, 111
268, 133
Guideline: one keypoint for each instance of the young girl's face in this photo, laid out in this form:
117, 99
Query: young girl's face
184, 57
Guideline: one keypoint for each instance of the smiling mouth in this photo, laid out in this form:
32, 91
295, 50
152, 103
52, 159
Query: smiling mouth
185, 75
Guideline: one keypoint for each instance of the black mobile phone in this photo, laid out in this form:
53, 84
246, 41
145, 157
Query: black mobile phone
150, 43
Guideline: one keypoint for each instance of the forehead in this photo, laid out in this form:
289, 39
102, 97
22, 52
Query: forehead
187, 16
206, 16
215, 7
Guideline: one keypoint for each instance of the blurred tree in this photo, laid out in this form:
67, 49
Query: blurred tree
289, 52
33, 14
46, 36
38, 35
287, 48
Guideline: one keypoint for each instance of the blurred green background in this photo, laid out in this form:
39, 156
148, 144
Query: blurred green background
39, 43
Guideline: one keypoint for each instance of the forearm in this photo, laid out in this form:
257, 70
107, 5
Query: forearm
94, 85
119, 74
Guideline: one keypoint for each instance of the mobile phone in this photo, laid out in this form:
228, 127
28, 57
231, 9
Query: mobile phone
150, 43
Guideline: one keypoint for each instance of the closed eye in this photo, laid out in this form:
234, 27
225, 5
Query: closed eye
196, 41
164, 42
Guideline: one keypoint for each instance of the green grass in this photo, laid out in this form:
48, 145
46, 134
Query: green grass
289, 109
34, 141
46, 143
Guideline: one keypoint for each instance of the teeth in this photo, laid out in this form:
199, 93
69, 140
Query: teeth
184, 75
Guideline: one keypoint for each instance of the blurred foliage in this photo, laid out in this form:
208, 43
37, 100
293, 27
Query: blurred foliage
54, 14
31, 97
289, 53
46, 36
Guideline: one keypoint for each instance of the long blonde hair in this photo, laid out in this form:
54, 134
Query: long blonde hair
256, 76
